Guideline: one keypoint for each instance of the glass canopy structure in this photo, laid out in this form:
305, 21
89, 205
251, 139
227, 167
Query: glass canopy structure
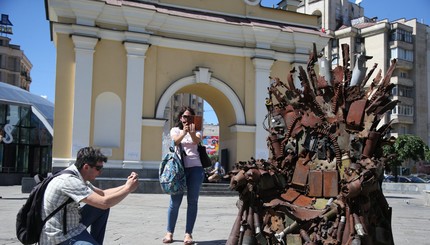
26, 133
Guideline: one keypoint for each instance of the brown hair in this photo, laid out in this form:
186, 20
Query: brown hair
181, 112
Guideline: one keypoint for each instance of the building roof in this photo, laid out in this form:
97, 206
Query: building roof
42, 108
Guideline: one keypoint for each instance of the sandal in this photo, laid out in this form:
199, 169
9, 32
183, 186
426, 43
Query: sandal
188, 239
168, 238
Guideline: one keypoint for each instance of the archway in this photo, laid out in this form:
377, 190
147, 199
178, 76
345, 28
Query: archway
226, 104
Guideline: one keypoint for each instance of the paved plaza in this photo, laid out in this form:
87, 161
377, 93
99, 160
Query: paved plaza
141, 219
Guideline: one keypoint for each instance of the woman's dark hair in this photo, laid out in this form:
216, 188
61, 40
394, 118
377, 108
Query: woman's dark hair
181, 112
90, 156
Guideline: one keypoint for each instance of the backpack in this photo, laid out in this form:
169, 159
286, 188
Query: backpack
171, 173
29, 221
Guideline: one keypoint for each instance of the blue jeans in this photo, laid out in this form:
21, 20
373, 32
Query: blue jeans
97, 219
194, 177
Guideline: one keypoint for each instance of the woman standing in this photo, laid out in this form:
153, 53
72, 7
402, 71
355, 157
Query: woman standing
186, 138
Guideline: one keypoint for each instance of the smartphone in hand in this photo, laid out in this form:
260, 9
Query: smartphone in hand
198, 122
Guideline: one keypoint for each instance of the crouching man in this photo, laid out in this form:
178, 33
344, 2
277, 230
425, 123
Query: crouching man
94, 214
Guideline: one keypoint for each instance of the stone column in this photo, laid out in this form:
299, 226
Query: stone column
262, 81
134, 101
84, 57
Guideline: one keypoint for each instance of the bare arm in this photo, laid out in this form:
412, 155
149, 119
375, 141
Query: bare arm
108, 191
190, 128
105, 199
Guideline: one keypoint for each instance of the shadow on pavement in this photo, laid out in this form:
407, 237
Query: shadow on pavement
215, 242
398, 197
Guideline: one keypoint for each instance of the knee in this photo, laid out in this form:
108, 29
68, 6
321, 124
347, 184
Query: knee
193, 201
175, 205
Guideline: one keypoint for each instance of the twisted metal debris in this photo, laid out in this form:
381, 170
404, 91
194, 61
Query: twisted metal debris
322, 184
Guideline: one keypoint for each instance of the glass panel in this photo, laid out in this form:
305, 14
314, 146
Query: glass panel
44, 137
25, 116
34, 136
12, 117
9, 158
45, 159
3, 109
1, 157
24, 136
22, 159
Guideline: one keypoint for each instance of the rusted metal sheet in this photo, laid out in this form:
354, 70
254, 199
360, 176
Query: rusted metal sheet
300, 176
315, 183
330, 183
290, 195
356, 114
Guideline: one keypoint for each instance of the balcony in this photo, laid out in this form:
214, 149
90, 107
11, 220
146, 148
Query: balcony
402, 81
404, 64
401, 44
401, 119
404, 100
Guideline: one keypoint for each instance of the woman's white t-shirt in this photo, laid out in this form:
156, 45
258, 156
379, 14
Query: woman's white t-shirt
191, 155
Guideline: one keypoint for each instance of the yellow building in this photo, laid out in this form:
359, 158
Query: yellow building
120, 62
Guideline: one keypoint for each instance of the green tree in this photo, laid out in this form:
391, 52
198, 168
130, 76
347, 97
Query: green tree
428, 155
405, 148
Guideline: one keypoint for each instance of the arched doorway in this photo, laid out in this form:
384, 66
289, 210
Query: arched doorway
224, 101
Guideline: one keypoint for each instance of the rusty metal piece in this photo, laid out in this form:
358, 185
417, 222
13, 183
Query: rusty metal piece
292, 119
345, 54
315, 183
352, 189
346, 162
332, 212
356, 114
305, 236
249, 235
303, 201
291, 195
290, 79
233, 238
358, 225
253, 175
238, 180
275, 146
300, 176
371, 143
287, 230
340, 228
309, 119
330, 183
298, 212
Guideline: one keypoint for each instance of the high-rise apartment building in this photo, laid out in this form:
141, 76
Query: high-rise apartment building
14, 65
384, 40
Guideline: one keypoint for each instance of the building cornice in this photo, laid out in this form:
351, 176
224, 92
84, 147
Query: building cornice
300, 52
153, 24
375, 29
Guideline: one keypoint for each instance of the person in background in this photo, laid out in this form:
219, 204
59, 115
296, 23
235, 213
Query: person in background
217, 172
94, 213
186, 139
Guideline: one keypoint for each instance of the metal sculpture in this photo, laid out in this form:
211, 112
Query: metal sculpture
322, 184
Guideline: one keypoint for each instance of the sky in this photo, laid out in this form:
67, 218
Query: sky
31, 32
